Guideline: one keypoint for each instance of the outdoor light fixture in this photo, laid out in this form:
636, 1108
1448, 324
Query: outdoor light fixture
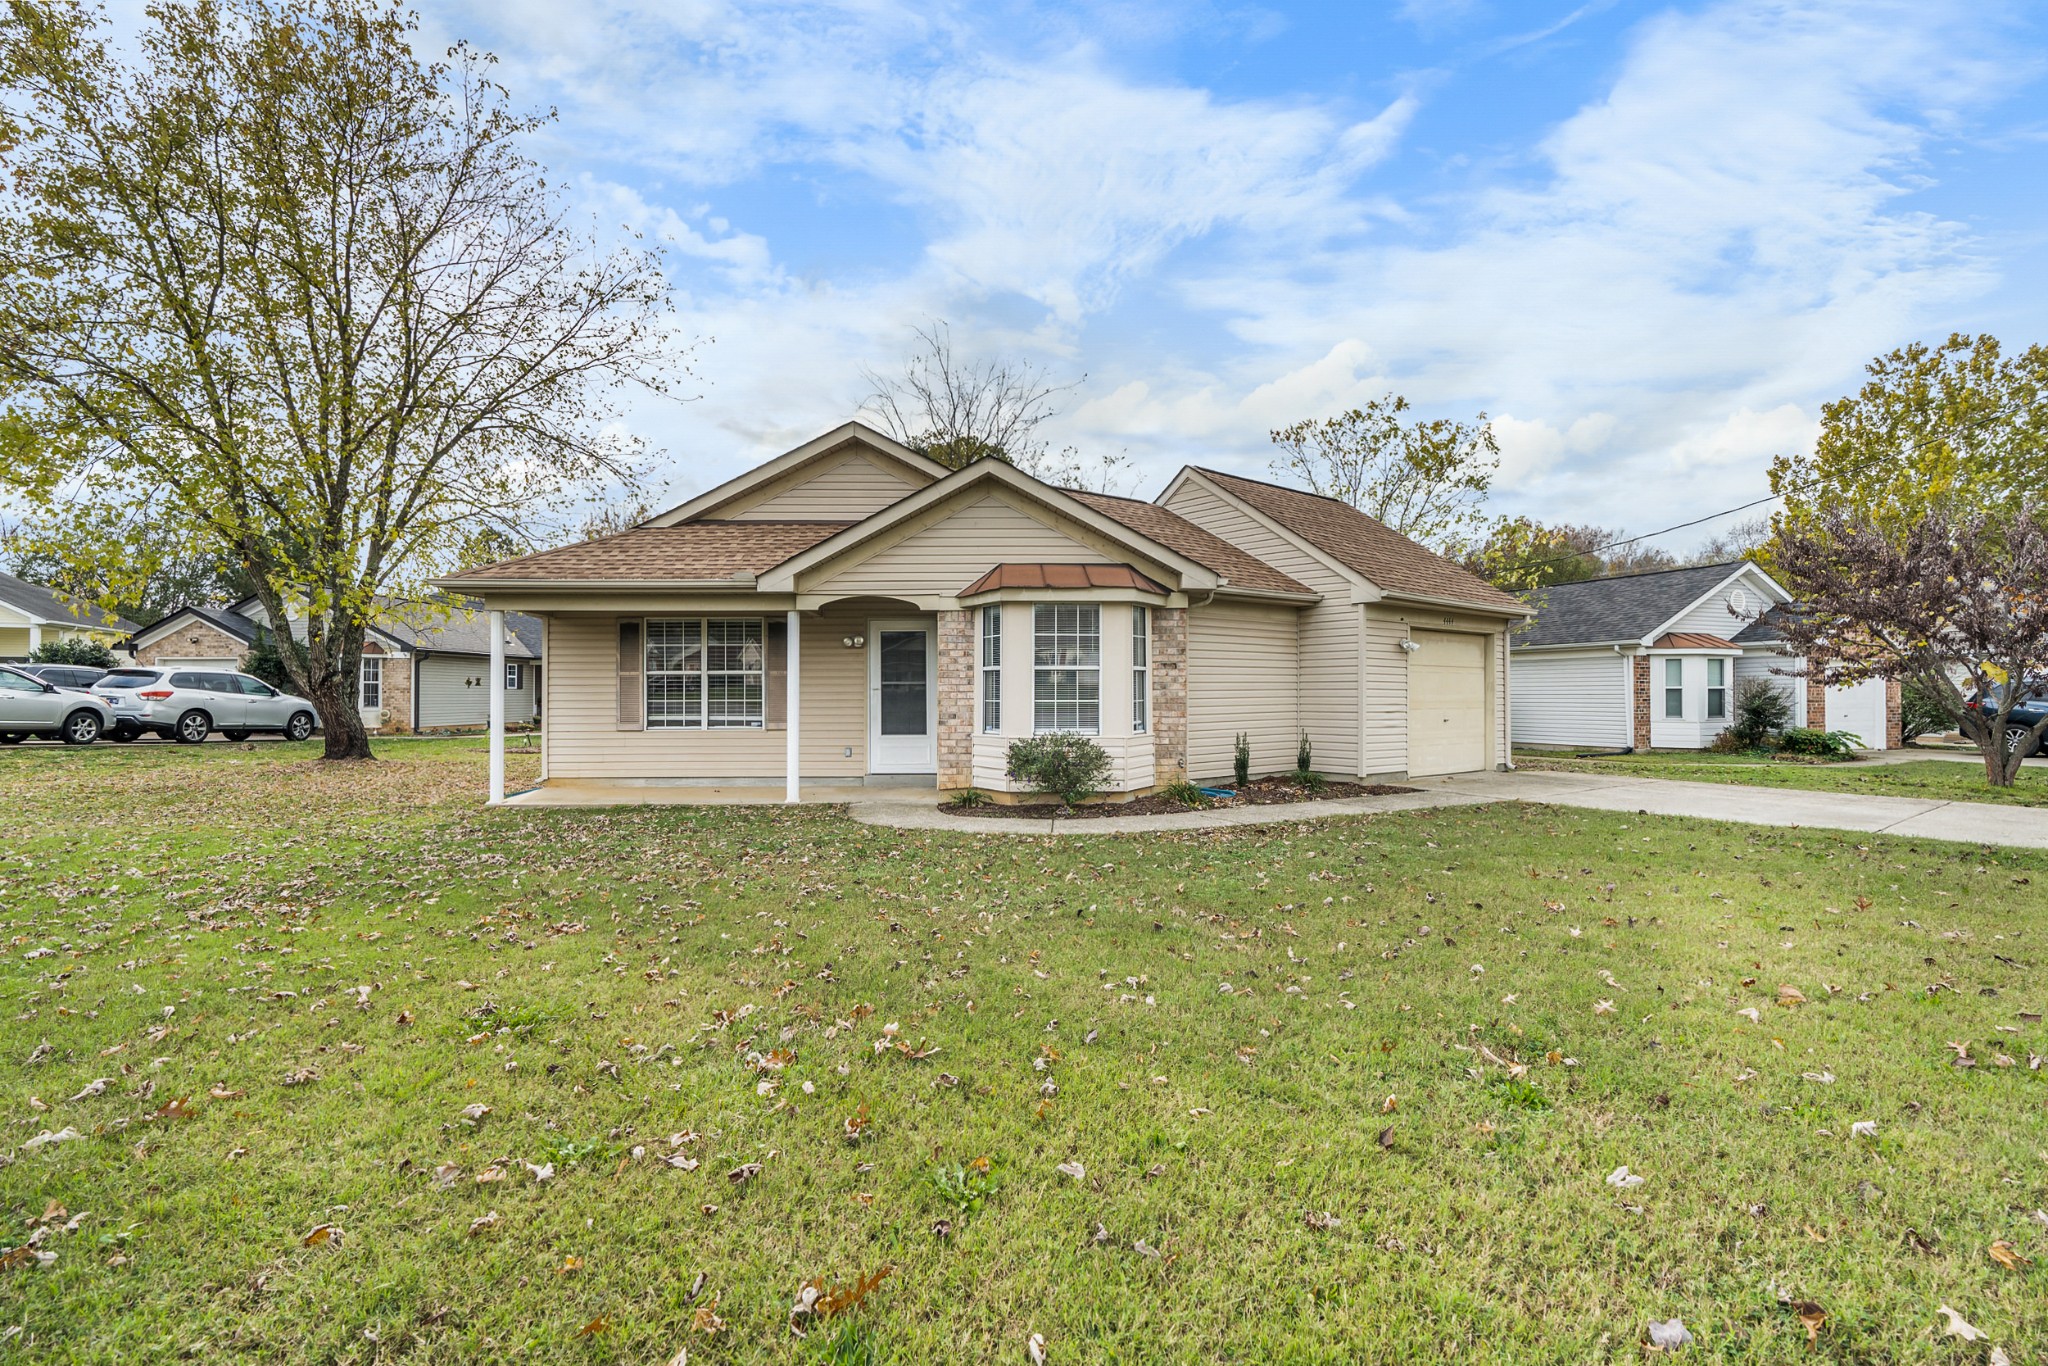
1410, 646
853, 642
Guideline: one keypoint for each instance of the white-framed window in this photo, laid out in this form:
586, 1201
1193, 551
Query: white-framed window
515, 677
370, 684
1674, 688
992, 668
706, 673
1717, 690
1066, 667
1141, 668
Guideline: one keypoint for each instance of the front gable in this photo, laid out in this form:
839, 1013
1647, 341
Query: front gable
1732, 604
939, 554
851, 471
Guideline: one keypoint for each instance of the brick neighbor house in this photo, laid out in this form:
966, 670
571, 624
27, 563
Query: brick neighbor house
424, 668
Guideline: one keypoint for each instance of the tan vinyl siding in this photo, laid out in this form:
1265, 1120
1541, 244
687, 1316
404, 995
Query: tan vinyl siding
454, 690
583, 740
1328, 692
1386, 680
944, 557
13, 642
1241, 677
833, 488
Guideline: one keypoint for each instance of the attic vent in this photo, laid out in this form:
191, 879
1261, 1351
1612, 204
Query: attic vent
1739, 600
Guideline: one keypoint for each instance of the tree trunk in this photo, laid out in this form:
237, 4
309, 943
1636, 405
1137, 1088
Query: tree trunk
341, 722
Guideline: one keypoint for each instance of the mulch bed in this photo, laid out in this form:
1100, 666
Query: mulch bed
1264, 792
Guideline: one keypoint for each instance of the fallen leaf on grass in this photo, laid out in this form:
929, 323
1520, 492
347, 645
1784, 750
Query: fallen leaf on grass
445, 1174
544, 1172
223, 1093
594, 1327
1751, 1014
1073, 1169
1621, 1178
2008, 1256
1669, 1335
706, 1321
1791, 996
475, 1113
483, 1223
814, 1301
179, 1107
743, 1173
64, 1135
1603, 1007
1812, 1316
92, 1088
1322, 1222
463, 985
1863, 1128
321, 1233
1034, 1347
1958, 1326
856, 1124
490, 1174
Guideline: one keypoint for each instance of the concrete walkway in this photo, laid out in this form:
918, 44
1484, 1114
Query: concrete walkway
1969, 822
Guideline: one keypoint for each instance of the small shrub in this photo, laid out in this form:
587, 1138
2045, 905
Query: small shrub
970, 797
963, 1189
1308, 780
1921, 711
1762, 711
1819, 744
1070, 767
85, 653
1184, 792
1304, 754
1241, 760
1728, 742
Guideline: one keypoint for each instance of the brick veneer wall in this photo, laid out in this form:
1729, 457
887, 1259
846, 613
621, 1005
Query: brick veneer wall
958, 642
1169, 694
1894, 714
194, 640
1640, 713
397, 691
1816, 699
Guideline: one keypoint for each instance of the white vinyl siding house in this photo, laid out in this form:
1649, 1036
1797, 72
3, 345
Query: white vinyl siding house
1575, 698
453, 692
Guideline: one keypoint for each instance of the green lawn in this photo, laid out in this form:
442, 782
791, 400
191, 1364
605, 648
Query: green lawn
1232, 1034
1935, 779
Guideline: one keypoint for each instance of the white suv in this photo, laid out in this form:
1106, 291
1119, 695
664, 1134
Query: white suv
188, 704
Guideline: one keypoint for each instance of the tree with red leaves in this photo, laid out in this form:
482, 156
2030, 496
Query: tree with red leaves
1957, 603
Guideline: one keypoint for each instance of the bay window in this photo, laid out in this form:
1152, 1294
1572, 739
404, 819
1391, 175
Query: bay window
1141, 668
992, 669
1066, 668
706, 673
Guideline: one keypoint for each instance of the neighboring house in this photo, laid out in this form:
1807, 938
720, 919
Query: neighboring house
851, 611
1650, 661
32, 616
424, 667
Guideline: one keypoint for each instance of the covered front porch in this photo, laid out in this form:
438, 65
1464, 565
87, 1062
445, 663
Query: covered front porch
719, 702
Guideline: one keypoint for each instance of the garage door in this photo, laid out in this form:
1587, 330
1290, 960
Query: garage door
1859, 709
1446, 703
231, 665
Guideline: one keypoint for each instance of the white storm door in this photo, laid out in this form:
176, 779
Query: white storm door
903, 698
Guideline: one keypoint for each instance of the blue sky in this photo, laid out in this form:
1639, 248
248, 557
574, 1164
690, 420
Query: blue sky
1649, 239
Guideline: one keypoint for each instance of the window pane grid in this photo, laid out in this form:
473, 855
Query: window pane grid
706, 674
1717, 693
1674, 688
372, 684
991, 669
1141, 668
1066, 657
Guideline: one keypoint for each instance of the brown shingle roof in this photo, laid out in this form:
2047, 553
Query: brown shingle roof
1694, 640
1234, 566
1364, 544
666, 554
1062, 576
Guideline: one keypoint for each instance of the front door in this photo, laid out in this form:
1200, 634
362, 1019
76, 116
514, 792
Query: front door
902, 698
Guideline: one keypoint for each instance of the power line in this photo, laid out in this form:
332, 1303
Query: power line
1914, 449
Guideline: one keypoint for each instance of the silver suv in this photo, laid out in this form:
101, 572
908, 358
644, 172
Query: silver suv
29, 706
187, 705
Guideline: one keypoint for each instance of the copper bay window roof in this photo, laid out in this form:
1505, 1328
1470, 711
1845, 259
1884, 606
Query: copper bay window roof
1062, 576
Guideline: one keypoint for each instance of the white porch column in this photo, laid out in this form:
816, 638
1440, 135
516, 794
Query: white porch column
35, 638
497, 620
792, 711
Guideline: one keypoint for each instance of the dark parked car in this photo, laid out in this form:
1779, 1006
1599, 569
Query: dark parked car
2026, 714
77, 677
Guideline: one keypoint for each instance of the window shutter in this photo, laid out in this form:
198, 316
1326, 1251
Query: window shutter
776, 704
632, 691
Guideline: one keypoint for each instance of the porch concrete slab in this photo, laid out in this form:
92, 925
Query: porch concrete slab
579, 792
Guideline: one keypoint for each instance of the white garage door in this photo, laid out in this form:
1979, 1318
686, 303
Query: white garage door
1859, 709
228, 664
1446, 703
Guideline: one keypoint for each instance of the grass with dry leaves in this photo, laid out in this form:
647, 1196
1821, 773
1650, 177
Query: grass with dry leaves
1347, 1091
1940, 780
